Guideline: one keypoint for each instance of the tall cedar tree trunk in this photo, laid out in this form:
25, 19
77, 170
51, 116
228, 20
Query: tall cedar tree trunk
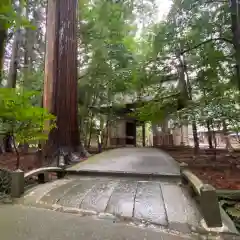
194, 124
90, 131
12, 80
182, 87
106, 134
235, 16
208, 123
209, 134
29, 40
28, 46
195, 136
182, 139
60, 87
3, 37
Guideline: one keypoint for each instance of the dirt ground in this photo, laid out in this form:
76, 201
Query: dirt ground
222, 172
28, 161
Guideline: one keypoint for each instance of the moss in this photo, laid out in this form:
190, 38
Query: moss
232, 207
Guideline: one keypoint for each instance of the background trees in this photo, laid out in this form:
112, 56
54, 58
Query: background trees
187, 63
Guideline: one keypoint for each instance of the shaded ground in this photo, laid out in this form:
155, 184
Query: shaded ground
28, 161
19, 222
223, 172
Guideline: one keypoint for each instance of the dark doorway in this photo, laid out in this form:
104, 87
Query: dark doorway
131, 133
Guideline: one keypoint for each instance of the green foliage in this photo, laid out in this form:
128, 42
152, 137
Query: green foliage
9, 17
122, 52
21, 119
113, 58
205, 80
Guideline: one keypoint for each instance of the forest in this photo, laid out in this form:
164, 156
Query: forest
62, 61
59, 73
187, 63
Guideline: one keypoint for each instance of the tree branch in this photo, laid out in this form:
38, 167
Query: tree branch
215, 1
207, 2
205, 42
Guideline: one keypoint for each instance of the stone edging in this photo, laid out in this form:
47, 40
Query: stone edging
207, 197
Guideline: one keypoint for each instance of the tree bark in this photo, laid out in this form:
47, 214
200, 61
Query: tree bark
182, 139
195, 136
3, 37
12, 78
106, 134
7, 143
60, 86
28, 47
189, 89
209, 133
182, 85
90, 132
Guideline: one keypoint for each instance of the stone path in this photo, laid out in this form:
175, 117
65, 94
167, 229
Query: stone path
108, 207
131, 160
152, 202
24, 223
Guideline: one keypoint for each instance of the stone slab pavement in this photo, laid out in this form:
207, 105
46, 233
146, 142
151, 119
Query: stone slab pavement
149, 202
131, 160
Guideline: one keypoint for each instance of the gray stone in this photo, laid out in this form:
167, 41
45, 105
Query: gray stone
25, 223
210, 206
131, 160
56, 194
17, 184
181, 209
97, 199
149, 203
159, 202
121, 203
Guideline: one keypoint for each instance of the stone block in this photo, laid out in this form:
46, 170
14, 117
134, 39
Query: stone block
17, 184
210, 206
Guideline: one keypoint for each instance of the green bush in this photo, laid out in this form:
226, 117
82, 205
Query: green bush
23, 121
